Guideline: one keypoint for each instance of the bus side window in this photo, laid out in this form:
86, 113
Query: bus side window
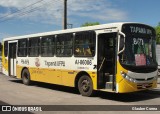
22, 47
33, 48
64, 45
47, 46
85, 44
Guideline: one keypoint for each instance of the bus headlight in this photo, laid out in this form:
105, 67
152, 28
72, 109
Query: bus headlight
127, 77
123, 74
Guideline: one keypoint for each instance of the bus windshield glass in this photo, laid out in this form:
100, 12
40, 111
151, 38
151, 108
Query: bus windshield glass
139, 48
139, 51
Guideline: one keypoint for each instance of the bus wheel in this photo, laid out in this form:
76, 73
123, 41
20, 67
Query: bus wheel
26, 77
85, 86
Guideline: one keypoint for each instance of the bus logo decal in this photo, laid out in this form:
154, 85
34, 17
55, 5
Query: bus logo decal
37, 62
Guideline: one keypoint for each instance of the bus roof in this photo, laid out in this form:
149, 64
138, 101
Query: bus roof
96, 27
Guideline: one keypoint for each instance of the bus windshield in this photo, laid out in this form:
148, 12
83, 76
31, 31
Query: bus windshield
139, 51
140, 43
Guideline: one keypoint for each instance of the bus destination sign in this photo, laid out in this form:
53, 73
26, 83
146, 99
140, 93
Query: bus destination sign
137, 29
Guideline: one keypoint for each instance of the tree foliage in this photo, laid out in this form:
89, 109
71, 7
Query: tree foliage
157, 28
90, 24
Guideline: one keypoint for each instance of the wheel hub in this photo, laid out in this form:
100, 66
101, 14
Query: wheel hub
85, 85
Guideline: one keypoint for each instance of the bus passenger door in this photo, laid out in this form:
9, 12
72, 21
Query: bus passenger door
107, 57
12, 58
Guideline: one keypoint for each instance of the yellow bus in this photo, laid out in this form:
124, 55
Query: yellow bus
115, 57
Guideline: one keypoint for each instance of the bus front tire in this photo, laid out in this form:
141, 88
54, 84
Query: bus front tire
26, 77
85, 86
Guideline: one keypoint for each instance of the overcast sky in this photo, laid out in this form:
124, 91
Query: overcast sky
20, 17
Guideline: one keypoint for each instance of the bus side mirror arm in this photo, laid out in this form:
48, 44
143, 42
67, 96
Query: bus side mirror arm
119, 40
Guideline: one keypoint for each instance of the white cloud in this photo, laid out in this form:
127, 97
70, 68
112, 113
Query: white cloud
50, 11
16, 3
97, 10
42, 11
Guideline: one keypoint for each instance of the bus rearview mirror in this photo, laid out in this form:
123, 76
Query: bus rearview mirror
121, 41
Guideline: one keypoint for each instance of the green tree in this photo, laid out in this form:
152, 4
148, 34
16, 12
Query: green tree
90, 24
157, 28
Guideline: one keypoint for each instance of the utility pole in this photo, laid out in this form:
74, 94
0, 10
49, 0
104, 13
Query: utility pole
65, 15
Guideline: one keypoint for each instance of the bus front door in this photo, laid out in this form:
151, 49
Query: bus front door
107, 50
12, 58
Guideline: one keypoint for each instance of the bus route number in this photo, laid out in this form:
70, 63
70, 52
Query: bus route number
138, 41
83, 62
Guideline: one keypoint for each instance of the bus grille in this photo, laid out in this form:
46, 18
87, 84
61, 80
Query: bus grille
145, 79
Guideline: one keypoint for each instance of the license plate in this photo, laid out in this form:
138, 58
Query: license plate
145, 85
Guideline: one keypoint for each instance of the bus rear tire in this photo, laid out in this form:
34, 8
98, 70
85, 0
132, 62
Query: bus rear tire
85, 86
26, 77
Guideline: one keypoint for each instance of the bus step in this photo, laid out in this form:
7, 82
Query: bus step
109, 77
106, 74
108, 85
